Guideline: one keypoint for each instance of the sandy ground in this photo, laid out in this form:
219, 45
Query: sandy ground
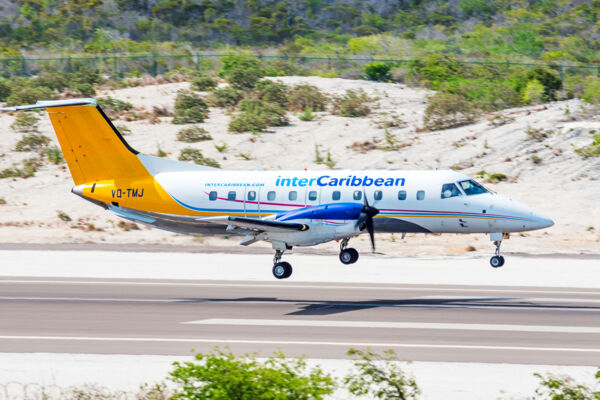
563, 186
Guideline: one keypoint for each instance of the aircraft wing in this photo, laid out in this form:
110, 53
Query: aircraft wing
256, 224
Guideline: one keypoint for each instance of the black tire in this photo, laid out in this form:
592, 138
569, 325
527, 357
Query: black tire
354, 255
346, 257
282, 270
496, 261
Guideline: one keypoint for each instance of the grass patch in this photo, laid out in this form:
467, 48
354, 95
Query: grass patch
307, 115
113, 108
54, 155
302, 96
592, 150
32, 142
25, 122
189, 108
447, 110
256, 116
354, 103
193, 134
203, 83
196, 156
224, 97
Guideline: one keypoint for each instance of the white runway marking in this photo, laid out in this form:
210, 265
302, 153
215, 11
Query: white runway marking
286, 285
396, 325
299, 342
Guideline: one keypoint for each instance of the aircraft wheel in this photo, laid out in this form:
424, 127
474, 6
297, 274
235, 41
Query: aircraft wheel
497, 261
354, 255
282, 270
348, 256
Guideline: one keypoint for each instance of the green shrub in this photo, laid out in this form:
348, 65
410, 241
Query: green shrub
220, 375
497, 177
591, 93
32, 142
238, 62
2, 201
5, 90
354, 103
547, 79
86, 74
195, 155
224, 97
433, 70
244, 79
193, 134
189, 108
302, 96
25, 122
380, 377
592, 150
11, 172
113, 107
84, 89
448, 110
53, 80
272, 92
378, 71
279, 67
533, 93
30, 167
54, 155
203, 83
30, 95
565, 388
256, 116
307, 115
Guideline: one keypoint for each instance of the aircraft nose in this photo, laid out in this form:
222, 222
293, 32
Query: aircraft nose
541, 221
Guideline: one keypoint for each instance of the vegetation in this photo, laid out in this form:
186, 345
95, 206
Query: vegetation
538, 134
256, 116
32, 142
447, 110
189, 108
54, 155
591, 150
193, 134
222, 376
63, 216
378, 71
196, 156
307, 115
224, 97
272, 92
203, 83
565, 388
302, 96
25, 122
354, 103
27, 170
327, 160
112, 107
379, 376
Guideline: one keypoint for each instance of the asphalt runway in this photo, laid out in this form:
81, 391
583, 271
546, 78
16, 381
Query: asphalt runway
495, 324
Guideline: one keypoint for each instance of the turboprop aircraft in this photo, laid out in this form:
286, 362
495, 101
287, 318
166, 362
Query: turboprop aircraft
284, 208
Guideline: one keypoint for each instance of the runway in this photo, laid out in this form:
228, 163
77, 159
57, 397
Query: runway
421, 322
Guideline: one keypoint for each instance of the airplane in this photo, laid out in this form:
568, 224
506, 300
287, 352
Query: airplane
284, 208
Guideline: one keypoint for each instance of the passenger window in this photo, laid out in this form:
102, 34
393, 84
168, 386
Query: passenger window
293, 195
336, 195
212, 196
450, 190
421, 195
271, 196
231, 196
251, 195
312, 195
378, 195
402, 195
357, 195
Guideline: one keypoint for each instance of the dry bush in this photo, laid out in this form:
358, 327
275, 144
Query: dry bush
354, 103
32, 142
193, 134
302, 96
447, 110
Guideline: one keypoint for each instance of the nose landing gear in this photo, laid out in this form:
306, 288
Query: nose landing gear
497, 261
347, 255
281, 269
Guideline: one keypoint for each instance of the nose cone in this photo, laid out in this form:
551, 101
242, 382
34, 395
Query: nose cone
541, 221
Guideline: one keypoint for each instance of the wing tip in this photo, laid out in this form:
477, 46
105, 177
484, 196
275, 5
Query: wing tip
42, 104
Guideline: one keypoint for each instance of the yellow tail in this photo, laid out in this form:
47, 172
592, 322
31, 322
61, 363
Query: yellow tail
93, 148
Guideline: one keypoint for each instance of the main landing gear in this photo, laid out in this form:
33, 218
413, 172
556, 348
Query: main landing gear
347, 255
496, 261
281, 269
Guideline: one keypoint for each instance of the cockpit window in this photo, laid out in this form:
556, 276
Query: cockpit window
450, 190
470, 187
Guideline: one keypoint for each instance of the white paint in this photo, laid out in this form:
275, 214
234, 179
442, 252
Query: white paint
437, 380
459, 270
395, 325
298, 342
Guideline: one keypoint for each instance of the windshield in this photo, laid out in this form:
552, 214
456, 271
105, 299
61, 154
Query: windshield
470, 187
450, 190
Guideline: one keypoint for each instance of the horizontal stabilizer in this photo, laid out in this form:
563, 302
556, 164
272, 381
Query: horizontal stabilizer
52, 103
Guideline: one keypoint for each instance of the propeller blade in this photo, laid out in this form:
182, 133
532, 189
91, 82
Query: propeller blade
371, 230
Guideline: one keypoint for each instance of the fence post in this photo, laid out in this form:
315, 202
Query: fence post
562, 73
154, 65
69, 64
197, 61
115, 69
23, 67
329, 63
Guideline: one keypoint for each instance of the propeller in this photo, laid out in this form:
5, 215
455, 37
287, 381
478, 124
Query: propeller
367, 212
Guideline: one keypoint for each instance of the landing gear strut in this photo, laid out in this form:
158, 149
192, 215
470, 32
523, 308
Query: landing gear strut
281, 269
497, 261
347, 255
